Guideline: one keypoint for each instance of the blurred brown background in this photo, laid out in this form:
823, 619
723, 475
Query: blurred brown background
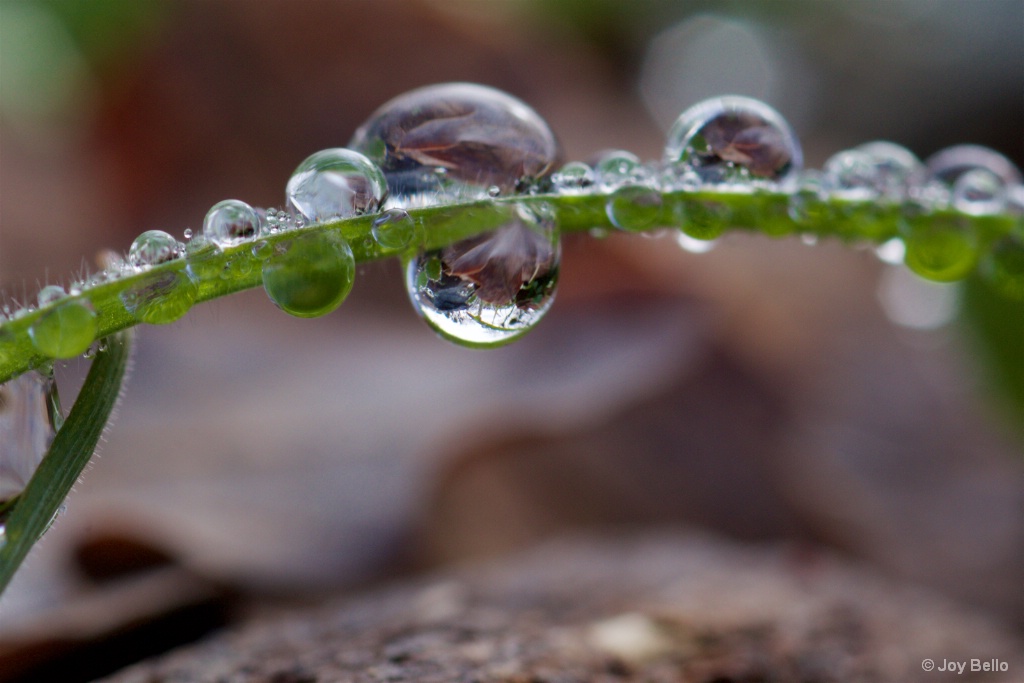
766, 391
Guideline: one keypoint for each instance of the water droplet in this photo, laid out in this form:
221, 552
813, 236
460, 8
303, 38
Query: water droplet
30, 416
573, 178
616, 167
478, 136
492, 288
229, 222
394, 229
693, 245
66, 331
892, 251
309, 275
940, 249
949, 164
152, 248
850, 175
735, 141
493, 191
979, 192
634, 207
160, 298
204, 263
49, 294
703, 219
1003, 267
336, 183
262, 249
896, 170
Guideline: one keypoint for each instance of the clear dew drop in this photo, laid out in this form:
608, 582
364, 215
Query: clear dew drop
979, 192
946, 166
704, 220
896, 171
153, 247
230, 222
49, 294
310, 275
634, 207
394, 229
573, 178
335, 183
735, 141
492, 288
66, 331
614, 168
456, 141
30, 415
852, 175
160, 298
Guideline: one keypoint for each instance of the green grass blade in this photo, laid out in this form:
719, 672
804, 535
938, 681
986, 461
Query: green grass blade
70, 452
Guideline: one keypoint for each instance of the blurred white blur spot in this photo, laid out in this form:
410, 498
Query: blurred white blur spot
707, 56
910, 301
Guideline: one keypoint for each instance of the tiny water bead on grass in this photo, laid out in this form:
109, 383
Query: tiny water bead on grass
230, 222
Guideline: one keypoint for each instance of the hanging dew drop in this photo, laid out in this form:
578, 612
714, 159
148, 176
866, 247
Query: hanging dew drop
335, 183
634, 207
703, 219
940, 249
66, 331
735, 141
310, 275
394, 229
490, 289
230, 222
1003, 267
456, 141
160, 298
153, 247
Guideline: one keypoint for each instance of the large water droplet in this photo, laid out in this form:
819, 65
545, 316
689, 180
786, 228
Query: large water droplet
309, 275
30, 416
940, 249
66, 331
634, 207
979, 192
336, 183
735, 141
229, 222
153, 247
160, 298
456, 140
394, 229
489, 289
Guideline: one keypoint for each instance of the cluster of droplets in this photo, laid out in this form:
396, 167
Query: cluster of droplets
461, 142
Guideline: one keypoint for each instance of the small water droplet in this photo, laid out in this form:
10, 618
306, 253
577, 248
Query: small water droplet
476, 136
188, 234
896, 170
634, 207
66, 331
160, 298
204, 262
309, 275
573, 178
30, 415
979, 192
492, 288
394, 229
262, 249
735, 141
493, 191
49, 294
152, 248
230, 222
614, 168
336, 183
940, 248
851, 175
